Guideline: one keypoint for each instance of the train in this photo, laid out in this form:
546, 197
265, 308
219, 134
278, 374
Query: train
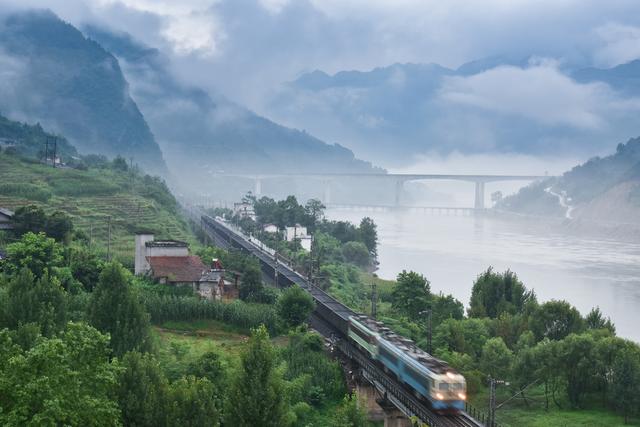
430, 378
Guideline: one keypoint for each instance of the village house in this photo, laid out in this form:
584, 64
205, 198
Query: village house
169, 262
298, 232
6, 217
270, 228
244, 210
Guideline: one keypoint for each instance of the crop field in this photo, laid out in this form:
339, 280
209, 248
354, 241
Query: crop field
96, 200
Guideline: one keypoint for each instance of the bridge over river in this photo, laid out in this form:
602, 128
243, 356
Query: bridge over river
329, 180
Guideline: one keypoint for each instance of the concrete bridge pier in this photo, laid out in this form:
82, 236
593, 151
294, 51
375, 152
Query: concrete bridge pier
398, 193
379, 408
326, 195
258, 186
479, 201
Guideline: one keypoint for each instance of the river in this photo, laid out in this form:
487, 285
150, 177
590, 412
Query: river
452, 250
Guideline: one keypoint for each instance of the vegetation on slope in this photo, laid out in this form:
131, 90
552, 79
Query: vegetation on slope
107, 196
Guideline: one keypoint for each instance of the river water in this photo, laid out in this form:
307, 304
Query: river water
452, 250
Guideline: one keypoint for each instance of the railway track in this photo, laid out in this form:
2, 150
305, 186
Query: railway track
330, 312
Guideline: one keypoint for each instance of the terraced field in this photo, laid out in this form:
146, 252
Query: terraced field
93, 199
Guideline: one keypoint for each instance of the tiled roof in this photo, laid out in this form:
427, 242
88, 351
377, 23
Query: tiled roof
177, 268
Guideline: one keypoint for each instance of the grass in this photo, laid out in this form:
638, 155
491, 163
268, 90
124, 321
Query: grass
516, 414
92, 199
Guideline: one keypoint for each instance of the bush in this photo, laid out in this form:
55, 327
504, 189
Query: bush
294, 306
26, 191
164, 308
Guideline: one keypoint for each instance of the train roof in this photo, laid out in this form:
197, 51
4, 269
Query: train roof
409, 347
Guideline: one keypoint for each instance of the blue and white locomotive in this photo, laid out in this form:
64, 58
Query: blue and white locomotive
430, 378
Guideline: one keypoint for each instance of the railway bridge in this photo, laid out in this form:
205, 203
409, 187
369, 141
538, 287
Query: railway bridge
328, 313
329, 180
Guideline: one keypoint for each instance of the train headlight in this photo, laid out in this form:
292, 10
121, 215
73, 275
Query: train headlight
462, 396
439, 396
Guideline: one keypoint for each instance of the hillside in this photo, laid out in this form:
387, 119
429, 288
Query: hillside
94, 198
30, 140
204, 132
603, 189
53, 75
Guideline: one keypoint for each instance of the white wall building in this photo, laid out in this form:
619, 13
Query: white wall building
270, 228
295, 232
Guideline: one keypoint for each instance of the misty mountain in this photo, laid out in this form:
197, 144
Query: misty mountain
524, 105
604, 188
29, 140
624, 77
202, 133
53, 75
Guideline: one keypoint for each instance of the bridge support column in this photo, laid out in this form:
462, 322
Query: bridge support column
326, 195
258, 186
398, 194
479, 203
379, 408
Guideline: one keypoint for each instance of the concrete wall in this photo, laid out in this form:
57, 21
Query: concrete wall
141, 264
167, 251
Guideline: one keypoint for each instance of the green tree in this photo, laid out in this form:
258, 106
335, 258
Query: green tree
315, 209
39, 301
524, 372
35, 252
596, 320
350, 414
497, 359
495, 293
356, 253
66, 380
555, 320
29, 218
294, 306
251, 285
59, 226
625, 382
462, 336
143, 391
193, 404
579, 362
85, 268
256, 397
368, 233
445, 307
116, 309
411, 294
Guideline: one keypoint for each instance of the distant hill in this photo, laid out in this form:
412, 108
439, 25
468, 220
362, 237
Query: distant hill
624, 77
201, 133
54, 75
395, 112
603, 189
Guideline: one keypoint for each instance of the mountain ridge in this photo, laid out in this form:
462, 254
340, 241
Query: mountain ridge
72, 85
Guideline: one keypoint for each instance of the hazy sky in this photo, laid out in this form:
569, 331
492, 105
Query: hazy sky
246, 47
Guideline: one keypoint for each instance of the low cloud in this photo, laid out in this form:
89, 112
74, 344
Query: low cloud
620, 44
541, 93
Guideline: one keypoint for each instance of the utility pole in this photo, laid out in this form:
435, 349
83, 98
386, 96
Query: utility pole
275, 270
55, 151
46, 149
109, 242
429, 330
492, 402
374, 300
